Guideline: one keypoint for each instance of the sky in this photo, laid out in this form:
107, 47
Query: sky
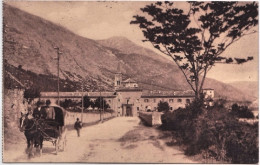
102, 20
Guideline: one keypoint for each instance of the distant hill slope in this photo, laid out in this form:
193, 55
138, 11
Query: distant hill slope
163, 72
29, 42
248, 87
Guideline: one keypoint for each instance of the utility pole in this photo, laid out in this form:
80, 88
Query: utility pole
58, 68
103, 110
100, 99
82, 101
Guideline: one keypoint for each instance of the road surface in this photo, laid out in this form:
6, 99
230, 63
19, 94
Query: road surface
119, 140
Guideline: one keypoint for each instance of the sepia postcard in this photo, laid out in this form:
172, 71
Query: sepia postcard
130, 82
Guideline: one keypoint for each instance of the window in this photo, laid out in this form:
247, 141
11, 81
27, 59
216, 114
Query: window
154, 100
146, 100
118, 82
170, 108
179, 100
137, 108
187, 100
171, 100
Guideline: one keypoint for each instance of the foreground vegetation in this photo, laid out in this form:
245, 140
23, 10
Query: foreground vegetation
214, 132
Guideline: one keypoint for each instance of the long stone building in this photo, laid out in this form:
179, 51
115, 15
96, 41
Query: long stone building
128, 98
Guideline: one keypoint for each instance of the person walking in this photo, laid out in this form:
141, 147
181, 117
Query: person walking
78, 126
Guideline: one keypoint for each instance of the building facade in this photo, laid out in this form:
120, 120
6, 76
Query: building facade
128, 99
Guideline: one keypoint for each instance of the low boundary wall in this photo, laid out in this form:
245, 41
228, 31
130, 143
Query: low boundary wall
71, 117
151, 118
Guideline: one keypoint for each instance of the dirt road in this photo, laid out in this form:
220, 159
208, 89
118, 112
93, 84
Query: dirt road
119, 140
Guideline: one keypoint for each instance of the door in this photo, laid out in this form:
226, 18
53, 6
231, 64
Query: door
129, 111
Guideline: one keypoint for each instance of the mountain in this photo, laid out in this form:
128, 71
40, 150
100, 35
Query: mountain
28, 46
248, 87
166, 69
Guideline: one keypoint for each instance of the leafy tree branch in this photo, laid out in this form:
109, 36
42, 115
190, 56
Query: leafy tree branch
196, 39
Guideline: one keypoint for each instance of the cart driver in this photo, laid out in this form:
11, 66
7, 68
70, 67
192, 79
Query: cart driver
47, 112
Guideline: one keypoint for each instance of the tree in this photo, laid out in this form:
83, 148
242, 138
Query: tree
241, 111
87, 102
20, 67
163, 106
31, 93
67, 103
196, 39
101, 103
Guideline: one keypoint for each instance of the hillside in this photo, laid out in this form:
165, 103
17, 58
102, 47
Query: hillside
248, 87
29, 42
163, 71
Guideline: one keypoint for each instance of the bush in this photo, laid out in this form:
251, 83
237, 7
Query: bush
101, 103
87, 102
32, 93
241, 111
242, 144
213, 131
68, 103
163, 106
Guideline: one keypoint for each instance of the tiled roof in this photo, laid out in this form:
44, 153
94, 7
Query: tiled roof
104, 94
122, 89
168, 93
77, 94
129, 81
126, 89
208, 89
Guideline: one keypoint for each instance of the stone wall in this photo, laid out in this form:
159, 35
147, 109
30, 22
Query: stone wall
87, 117
151, 118
13, 105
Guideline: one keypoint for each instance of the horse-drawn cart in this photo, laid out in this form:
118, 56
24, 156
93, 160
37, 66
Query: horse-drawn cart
39, 130
55, 131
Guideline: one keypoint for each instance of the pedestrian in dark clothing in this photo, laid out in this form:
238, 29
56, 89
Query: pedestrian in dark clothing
78, 126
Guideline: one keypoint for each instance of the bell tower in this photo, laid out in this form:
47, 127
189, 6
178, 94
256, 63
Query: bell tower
118, 77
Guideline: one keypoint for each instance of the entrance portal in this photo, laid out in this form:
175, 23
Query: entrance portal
127, 110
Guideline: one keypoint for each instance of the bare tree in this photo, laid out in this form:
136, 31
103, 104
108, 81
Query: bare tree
196, 39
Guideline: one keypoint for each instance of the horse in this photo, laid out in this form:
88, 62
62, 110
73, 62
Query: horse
30, 127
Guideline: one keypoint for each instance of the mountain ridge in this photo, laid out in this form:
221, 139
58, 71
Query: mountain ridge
29, 42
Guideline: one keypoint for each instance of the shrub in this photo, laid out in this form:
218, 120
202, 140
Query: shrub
163, 106
214, 131
68, 103
242, 144
87, 102
101, 103
32, 93
241, 111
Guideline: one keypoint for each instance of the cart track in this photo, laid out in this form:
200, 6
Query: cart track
119, 140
